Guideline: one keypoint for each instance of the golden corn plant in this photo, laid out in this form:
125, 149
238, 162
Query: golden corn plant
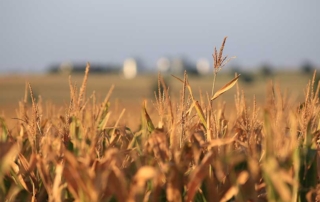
196, 152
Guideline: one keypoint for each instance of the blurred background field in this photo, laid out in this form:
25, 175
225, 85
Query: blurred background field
129, 94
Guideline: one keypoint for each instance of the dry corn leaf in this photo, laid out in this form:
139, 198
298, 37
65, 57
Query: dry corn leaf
221, 142
117, 185
19, 178
225, 88
76, 177
57, 187
8, 153
198, 175
272, 172
24, 173
234, 190
174, 184
147, 118
12, 193
27, 167
145, 173
200, 114
137, 188
44, 173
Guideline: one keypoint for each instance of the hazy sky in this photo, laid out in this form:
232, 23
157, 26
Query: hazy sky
35, 34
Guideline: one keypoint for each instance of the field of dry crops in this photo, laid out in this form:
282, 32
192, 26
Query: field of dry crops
129, 94
181, 147
114, 144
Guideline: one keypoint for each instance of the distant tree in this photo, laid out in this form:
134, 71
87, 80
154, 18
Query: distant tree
53, 69
79, 68
247, 78
307, 67
235, 69
266, 70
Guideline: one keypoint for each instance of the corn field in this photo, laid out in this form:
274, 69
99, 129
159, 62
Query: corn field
193, 151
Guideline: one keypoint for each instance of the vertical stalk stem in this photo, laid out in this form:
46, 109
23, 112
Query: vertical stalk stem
214, 82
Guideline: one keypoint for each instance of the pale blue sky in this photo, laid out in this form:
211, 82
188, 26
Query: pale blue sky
35, 34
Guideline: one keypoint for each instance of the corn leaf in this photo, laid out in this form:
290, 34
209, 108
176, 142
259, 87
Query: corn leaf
225, 88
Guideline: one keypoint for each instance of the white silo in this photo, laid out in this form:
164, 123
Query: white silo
203, 66
163, 64
66, 68
130, 68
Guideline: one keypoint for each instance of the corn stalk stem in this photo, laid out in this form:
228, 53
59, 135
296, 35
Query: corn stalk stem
214, 81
